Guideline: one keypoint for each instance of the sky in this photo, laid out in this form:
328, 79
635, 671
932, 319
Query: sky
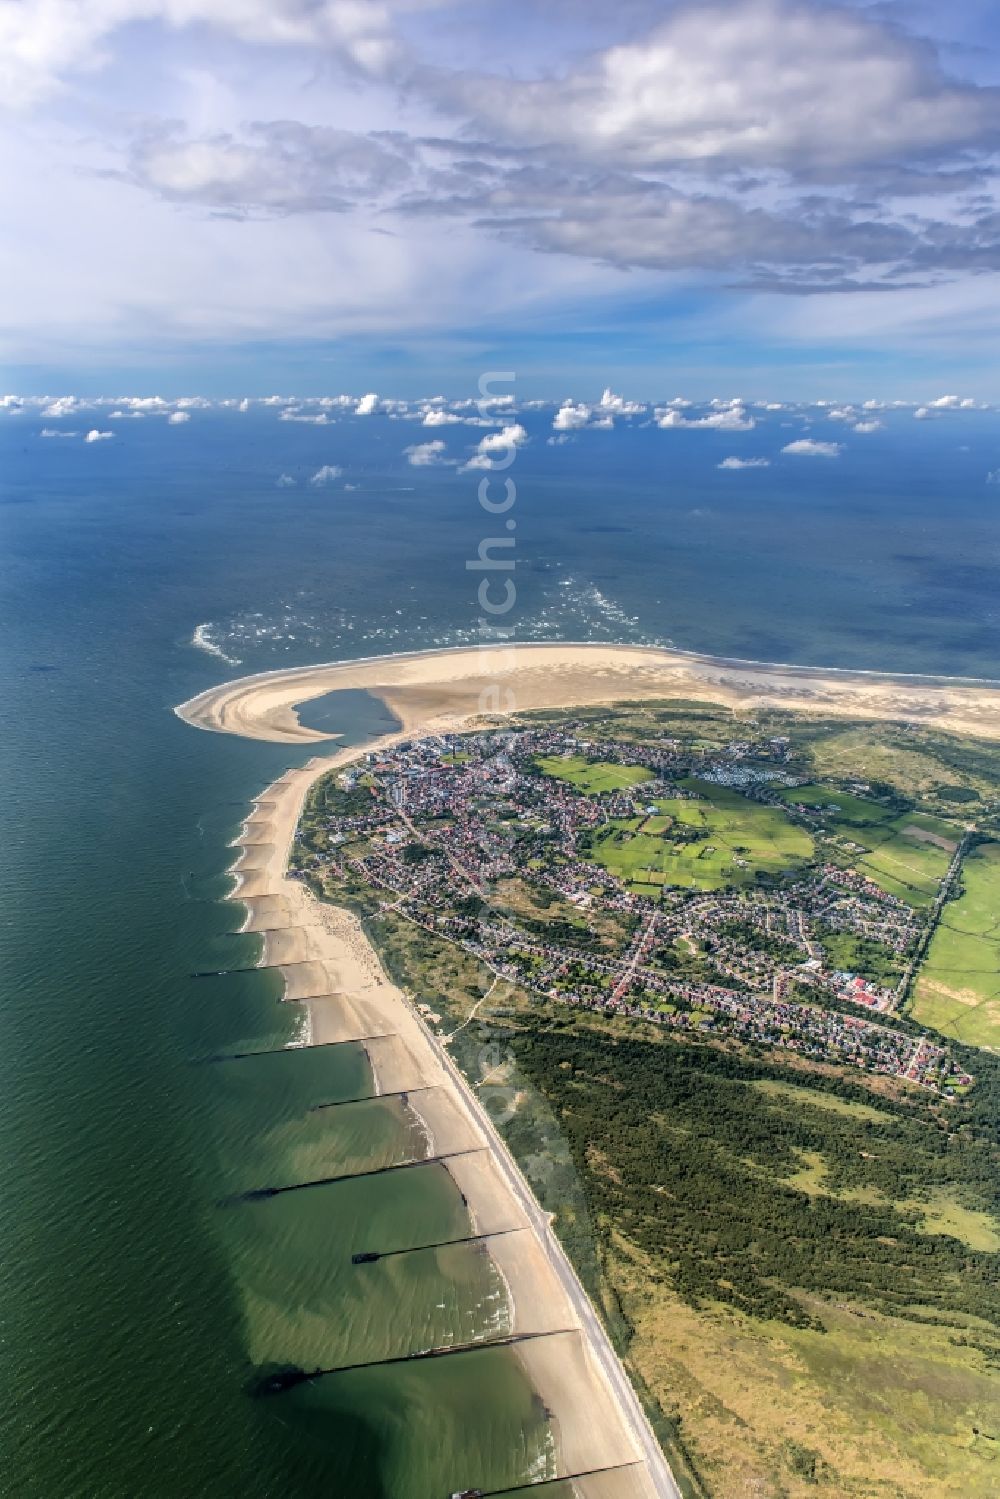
790, 199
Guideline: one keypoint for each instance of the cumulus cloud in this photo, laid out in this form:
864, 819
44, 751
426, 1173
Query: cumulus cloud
367, 404
311, 418
426, 454
732, 417
809, 447
177, 417
326, 474
745, 463
95, 436
436, 416
871, 425
57, 432
498, 447
618, 406
285, 481
569, 417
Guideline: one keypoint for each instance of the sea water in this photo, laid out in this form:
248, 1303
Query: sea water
142, 1292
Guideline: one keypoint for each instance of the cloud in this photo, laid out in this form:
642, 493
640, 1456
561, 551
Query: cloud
276, 167
952, 403
177, 417
435, 417
285, 481
745, 463
498, 447
63, 406
868, 426
569, 417
426, 454
801, 146
730, 418
326, 474
311, 418
43, 44
817, 90
56, 432
367, 404
95, 436
808, 447
618, 404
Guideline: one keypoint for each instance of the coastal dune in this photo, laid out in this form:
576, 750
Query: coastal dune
433, 690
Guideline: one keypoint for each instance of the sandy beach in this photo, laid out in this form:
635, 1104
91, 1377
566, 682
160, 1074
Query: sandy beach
434, 690
331, 970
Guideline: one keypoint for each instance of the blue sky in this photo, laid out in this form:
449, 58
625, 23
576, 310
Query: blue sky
775, 198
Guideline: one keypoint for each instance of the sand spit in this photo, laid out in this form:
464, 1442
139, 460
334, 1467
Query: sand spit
434, 690
332, 971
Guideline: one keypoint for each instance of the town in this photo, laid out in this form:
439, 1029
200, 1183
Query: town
712, 893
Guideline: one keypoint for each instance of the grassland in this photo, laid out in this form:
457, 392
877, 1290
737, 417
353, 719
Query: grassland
592, 777
722, 838
906, 855
871, 1408
843, 806
958, 989
901, 862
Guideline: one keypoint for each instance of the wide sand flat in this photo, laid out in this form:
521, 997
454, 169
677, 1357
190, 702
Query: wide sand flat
434, 690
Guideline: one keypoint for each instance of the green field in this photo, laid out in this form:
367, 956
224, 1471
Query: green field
592, 776
906, 855
902, 863
958, 989
739, 839
842, 805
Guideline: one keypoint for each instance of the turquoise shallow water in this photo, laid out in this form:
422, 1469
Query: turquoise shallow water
134, 1305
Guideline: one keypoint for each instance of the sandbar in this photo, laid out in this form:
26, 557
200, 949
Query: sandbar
431, 691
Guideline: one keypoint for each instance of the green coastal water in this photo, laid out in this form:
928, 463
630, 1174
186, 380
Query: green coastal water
137, 1301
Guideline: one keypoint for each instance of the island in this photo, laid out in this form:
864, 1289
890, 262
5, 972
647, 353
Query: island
711, 970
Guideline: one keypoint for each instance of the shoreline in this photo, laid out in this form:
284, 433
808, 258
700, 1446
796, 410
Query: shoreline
596, 1419
440, 690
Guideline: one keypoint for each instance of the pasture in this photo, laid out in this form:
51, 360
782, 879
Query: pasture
592, 776
721, 838
958, 987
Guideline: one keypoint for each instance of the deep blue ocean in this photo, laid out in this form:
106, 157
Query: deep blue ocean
135, 572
